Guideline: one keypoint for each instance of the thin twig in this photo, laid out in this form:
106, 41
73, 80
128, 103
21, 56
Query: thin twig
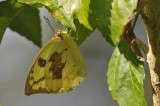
131, 18
129, 36
135, 20
142, 46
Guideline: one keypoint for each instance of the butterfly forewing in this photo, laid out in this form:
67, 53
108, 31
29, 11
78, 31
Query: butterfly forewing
59, 66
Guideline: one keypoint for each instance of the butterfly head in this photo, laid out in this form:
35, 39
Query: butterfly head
59, 34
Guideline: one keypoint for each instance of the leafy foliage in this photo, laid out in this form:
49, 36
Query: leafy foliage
109, 16
99, 17
121, 11
22, 19
65, 10
101, 14
125, 77
82, 32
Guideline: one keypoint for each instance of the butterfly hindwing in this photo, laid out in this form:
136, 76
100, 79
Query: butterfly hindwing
59, 66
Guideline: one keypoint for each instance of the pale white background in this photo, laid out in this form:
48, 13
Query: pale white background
17, 55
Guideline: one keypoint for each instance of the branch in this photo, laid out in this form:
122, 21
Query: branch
129, 36
141, 45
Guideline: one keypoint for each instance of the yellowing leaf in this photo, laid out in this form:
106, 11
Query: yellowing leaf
59, 67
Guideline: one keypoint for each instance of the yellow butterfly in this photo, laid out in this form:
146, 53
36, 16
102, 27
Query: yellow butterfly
59, 67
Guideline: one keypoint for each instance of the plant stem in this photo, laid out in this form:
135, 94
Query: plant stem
141, 45
135, 20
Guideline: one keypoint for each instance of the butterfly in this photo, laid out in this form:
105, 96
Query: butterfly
59, 67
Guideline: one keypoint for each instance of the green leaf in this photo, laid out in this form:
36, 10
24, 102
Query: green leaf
100, 11
27, 23
56, 11
98, 18
79, 8
24, 19
103, 17
125, 77
82, 12
65, 10
4, 22
120, 13
82, 32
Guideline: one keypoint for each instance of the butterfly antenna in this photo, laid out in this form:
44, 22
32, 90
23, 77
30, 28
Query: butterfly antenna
47, 20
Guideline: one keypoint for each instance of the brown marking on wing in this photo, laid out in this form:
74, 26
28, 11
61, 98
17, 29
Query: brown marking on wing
66, 48
74, 65
56, 66
31, 78
29, 90
41, 62
57, 70
70, 89
31, 71
41, 79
